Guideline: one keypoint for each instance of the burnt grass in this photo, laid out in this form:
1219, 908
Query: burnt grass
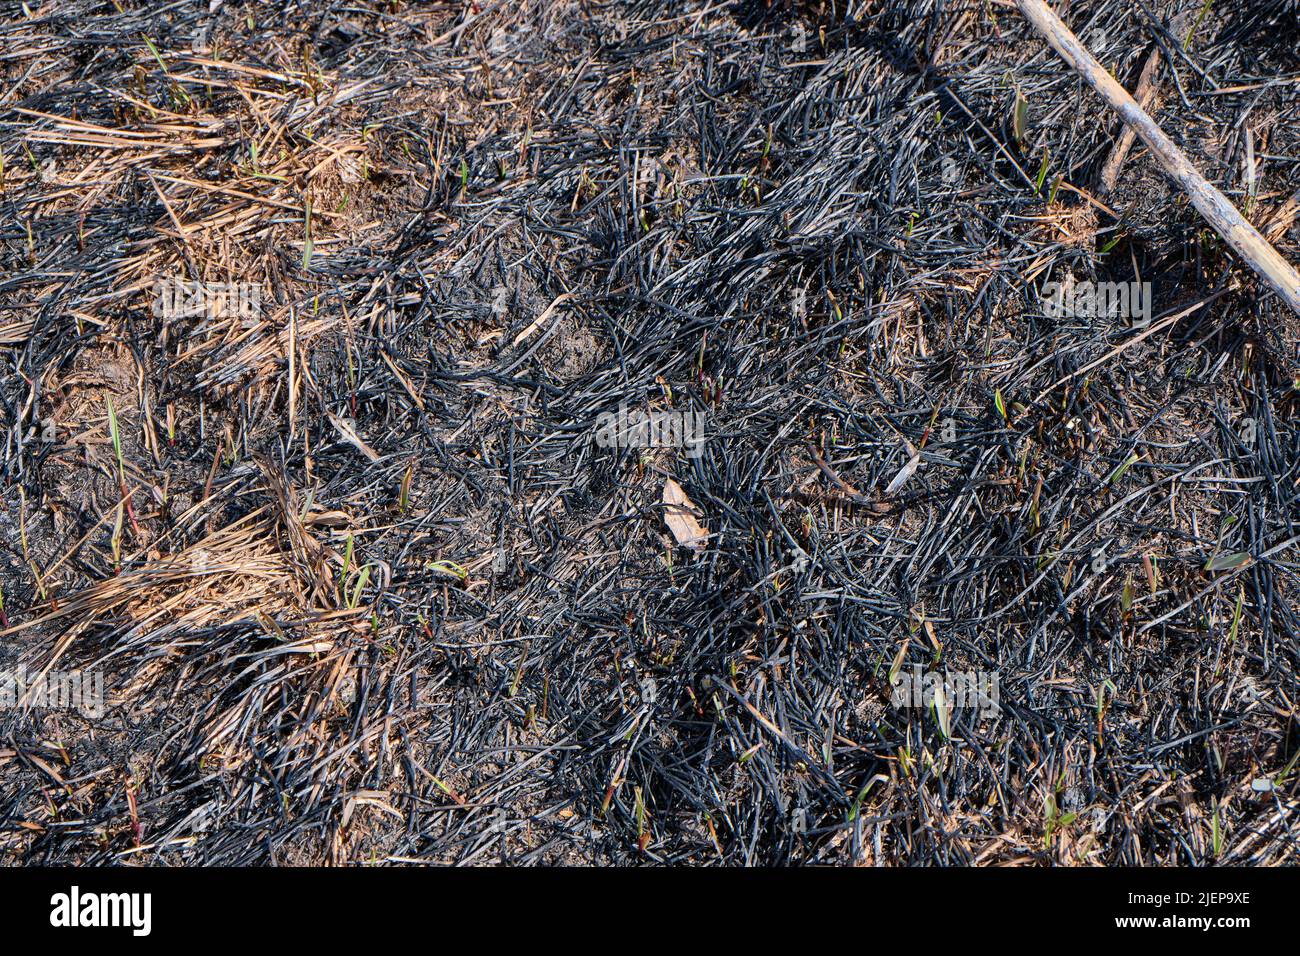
363, 588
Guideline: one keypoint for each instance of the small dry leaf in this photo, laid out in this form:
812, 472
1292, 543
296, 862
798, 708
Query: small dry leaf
349, 434
934, 638
679, 515
907, 471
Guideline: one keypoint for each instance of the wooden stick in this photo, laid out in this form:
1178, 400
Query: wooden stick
1145, 94
1209, 202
